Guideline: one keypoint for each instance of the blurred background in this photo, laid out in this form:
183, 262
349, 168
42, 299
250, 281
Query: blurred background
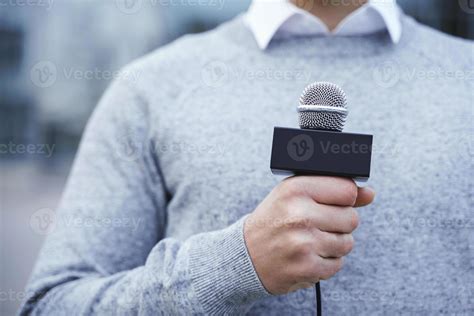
56, 59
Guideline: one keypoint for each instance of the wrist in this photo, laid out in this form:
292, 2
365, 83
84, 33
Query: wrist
222, 272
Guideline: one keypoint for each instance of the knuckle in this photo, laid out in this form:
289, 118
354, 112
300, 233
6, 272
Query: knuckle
290, 214
312, 270
328, 241
302, 248
348, 244
330, 245
305, 249
331, 269
290, 187
324, 276
337, 245
281, 210
354, 219
350, 191
335, 267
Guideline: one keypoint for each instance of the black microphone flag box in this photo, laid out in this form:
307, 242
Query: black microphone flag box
320, 152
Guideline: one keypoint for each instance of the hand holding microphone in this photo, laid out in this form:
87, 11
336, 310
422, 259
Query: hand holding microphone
301, 231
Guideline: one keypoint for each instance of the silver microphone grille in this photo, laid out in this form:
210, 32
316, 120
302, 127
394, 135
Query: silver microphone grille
323, 106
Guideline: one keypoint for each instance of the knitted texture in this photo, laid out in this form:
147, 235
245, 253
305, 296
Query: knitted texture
177, 153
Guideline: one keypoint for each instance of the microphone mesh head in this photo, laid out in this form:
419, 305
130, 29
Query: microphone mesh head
323, 106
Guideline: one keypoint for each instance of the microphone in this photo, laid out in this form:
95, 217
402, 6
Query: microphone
320, 147
323, 106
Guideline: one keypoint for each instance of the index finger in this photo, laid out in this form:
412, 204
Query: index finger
326, 190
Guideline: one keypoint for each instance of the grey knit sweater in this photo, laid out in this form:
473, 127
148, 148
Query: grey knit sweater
177, 153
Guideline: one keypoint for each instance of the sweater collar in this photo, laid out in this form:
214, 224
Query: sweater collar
268, 19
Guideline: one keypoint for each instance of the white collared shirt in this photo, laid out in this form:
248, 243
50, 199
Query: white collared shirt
269, 19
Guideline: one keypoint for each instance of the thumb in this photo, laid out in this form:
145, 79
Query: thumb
365, 196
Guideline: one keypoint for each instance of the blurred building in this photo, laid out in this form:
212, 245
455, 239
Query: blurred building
57, 57
14, 103
450, 16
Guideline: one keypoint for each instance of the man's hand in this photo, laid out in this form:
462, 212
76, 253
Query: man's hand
301, 231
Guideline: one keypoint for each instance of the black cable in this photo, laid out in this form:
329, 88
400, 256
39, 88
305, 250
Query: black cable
318, 299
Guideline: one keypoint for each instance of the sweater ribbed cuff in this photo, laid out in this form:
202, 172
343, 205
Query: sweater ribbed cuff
222, 272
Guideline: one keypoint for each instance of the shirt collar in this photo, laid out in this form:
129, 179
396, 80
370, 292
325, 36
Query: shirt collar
270, 18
